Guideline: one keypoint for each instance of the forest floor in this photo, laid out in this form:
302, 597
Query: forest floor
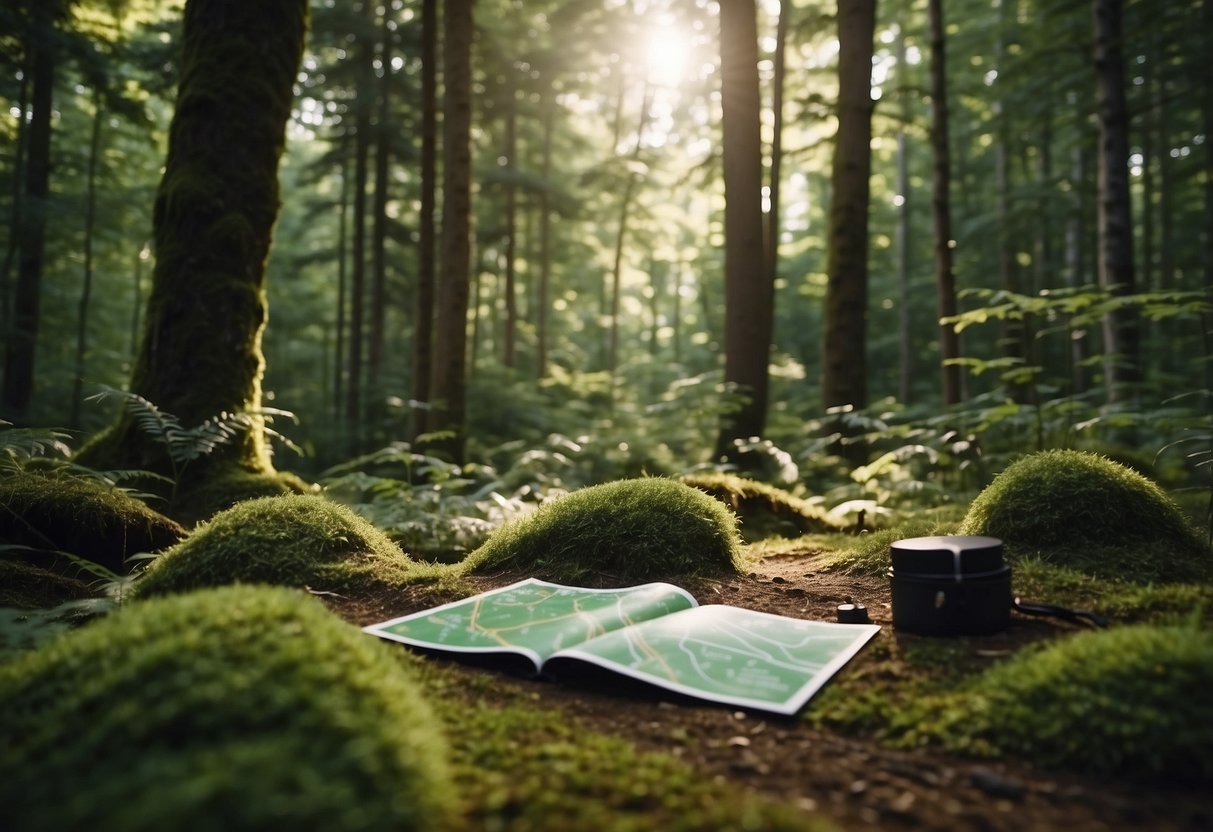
856, 782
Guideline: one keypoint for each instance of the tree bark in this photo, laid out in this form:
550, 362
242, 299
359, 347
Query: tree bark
423, 339
18, 387
90, 228
904, 322
941, 212
1121, 328
844, 358
357, 323
383, 158
213, 219
450, 348
749, 296
510, 356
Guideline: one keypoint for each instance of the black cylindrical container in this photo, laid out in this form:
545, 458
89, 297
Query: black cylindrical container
950, 585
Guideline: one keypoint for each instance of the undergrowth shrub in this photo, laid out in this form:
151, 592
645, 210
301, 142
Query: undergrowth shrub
618, 532
242, 708
294, 540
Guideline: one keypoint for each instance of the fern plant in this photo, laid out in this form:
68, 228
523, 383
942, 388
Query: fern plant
185, 445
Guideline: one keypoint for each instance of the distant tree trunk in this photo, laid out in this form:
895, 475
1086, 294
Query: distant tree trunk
777, 81
545, 238
339, 367
510, 357
213, 219
904, 322
450, 349
945, 277
1121, 328
625, 207
749, 296
18, 388
383, 158
1206, 102
844, 358
1075, 271
15, 217
137, 300
357, 324
90, 227
423, 346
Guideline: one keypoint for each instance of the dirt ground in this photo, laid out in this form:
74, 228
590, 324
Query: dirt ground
854, 781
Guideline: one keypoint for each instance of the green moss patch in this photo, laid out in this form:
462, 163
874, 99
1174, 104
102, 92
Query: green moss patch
1094, 513
764, 510
86, 518
242, 708
1132, 700
619, 532
298, 541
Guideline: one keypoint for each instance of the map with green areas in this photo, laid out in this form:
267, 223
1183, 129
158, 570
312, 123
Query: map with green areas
731, 655
655, 633
533, 617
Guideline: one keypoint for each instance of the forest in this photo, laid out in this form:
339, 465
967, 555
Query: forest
432, 275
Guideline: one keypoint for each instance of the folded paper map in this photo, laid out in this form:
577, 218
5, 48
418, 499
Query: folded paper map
655, 633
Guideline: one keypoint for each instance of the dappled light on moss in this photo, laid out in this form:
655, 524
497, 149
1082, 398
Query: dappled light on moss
617, 533
764, 510
294, 540
242, 708
1092, 513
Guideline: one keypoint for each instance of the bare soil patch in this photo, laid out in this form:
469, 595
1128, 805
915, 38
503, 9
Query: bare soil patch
855, 781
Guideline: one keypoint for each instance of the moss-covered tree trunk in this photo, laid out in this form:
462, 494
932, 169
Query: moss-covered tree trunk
214, 214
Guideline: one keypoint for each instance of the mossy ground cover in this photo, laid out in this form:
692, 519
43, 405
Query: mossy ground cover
241, 708
620, 532
292, 540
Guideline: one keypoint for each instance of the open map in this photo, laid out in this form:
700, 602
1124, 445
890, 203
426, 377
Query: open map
655, 633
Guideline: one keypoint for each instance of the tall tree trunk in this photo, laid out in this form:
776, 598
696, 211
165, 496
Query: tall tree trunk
844, 359
1076, 227
1121, 328
1206, 103
625, 208
339, 367
749, 296
18, 387
90, 228
423, 340
357, 325
383, 158
777, 82
213, 220
545, 238
905, 341
15, 217
510, 357
450, 348
945, 277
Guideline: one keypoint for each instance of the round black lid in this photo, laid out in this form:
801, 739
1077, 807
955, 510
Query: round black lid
947, 555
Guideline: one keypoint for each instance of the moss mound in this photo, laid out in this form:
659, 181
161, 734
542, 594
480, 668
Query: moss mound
764, 510
25, 586
84, 517
619, 532
243, 708
1132, 701
1077, 503
297, 540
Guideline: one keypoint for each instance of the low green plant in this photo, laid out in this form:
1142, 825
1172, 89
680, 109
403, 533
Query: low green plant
186, 445
618, 532
1093, 513
293, 540
1130, 701
241, 708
